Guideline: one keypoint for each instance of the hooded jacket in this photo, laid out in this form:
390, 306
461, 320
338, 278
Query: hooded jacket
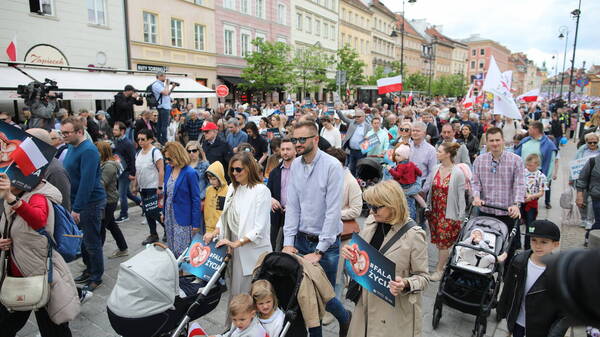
215, 197
29, 252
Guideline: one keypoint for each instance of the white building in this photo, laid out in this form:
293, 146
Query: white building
67, 32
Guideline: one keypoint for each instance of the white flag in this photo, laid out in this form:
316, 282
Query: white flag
507, 77
504, 103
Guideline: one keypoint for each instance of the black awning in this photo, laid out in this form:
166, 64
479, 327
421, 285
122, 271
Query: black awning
232, 80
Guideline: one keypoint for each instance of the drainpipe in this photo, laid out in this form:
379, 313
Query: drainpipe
127, 48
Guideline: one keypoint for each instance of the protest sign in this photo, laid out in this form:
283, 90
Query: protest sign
203, 260
371, 142
23, 157
273, 133
575, 166
150, 206
289, 109
371, 269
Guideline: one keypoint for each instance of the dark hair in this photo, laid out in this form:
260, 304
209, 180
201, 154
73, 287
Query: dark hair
451, 148
250, 164
452, 110
275, 143
338, 154
538, 125
266, 120
285, 140
493, 130
306, 124
146, 132
121, 125
252, 126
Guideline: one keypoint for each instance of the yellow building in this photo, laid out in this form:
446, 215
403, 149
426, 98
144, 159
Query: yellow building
355, 30
460, 54
413, 46
442, 49
383, 47
174, 36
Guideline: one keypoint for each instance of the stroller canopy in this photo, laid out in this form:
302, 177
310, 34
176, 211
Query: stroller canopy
368, 169
146, 284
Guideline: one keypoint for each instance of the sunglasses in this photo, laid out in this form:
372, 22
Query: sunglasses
139, 139
237, 169
355, 117
300, 140
374, 208
592, 143
404, 130
495, 166
192, 150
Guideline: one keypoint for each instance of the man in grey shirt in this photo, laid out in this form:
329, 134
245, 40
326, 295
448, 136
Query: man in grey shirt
448, 137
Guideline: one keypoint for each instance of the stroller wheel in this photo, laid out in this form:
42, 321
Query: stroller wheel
480, 327
437, 315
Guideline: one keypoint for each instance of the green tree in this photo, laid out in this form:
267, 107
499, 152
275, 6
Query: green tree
448, 85
378, 73
268, 68
310, 69
348, 61
415, 82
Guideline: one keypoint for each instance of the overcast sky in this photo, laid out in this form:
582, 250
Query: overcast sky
530, 26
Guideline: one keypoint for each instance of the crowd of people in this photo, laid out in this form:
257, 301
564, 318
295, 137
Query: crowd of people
292, 182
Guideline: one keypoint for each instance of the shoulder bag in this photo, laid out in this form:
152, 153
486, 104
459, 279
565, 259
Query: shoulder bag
24, 293
355, 289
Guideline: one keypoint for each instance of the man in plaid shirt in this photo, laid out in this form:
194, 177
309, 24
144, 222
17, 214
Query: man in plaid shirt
498, 180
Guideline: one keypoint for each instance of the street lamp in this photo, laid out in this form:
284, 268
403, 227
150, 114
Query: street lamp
395, 34
564, 34
575, 14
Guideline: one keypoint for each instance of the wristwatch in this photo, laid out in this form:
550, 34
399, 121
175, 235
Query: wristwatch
318, 252
14, 202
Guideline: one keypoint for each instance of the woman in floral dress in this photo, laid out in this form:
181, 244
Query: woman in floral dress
447, 204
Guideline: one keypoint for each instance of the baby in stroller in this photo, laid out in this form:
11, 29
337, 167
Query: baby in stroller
474, 257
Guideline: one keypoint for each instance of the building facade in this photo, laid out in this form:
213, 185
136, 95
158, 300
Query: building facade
459, 58
355, 30
237, 24
174, 36
60, 33
480, 52
413, 46
383, 45
442, 52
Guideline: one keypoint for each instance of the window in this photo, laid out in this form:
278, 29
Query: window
96, 12
472, 64
260, 37
474, 52
150, 28
333, 32
282, 39
260, 8
245, 6
317, 28
325, 29
327, 3
199, 36
481, 65
343, 38
229, 4
41, 7
350, 17
355, 43
281, 14
245, 43
198, 2
482, 51
176, 33
299, 21
344, 13
229, 38
308, 24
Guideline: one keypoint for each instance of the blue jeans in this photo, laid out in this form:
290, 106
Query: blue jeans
91, 248
163, 124
124, 193
352, 160
329, 260
528, 217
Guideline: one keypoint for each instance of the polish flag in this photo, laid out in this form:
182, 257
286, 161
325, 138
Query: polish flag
28, 157
530, 96
196, 331
410, 98
11, 50
467, 102
389, 84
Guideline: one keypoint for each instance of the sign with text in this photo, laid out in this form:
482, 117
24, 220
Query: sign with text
289, 109
46, 54
11, 138
203, 260
371, 269
575, 166
150, 205
222, 90
150, 67
370, 143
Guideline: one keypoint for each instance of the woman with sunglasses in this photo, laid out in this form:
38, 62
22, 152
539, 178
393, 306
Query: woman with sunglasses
199, 163
181, 212
245, 223
389, 213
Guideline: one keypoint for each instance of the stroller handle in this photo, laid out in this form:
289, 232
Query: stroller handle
495, 207
160, 244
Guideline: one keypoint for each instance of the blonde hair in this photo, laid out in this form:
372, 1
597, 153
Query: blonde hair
179, 156
262, 289
389, 194
241, 304
533, 157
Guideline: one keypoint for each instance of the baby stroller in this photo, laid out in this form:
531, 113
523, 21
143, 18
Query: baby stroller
147, 302
285, 274
368, 173
473, 289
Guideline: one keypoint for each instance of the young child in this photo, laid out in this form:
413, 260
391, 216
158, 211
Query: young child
478, 258
244, 322
215, 195
528, 308
406, 173
535, 187
269, 314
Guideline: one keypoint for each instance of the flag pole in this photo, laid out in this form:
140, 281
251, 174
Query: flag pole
8, 167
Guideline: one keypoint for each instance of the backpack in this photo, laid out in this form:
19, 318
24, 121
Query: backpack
151, 100
67, 236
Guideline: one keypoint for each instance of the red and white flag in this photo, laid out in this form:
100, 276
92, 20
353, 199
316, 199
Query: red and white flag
196, 330
28, 157
410, 98
504, 103
11, 50
530, 96
467, 102
389, 84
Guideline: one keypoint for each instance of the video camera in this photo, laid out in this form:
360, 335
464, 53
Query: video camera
38, 90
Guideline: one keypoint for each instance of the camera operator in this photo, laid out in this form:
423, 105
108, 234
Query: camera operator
122, 108
161, 89
42, 111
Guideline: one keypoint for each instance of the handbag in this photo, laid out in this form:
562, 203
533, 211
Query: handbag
25, 293
354, 289
349, 227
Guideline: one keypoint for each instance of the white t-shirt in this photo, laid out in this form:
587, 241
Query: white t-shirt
146, 171
273, 324
533, 273
333, 136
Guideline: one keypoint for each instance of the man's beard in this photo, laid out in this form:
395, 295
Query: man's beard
307, 149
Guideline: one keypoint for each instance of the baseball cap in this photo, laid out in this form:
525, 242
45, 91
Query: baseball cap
209, 126
544, 229
129, 87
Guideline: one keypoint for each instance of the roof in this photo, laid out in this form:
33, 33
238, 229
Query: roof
358, 4
436, 33
408, 28
381, 6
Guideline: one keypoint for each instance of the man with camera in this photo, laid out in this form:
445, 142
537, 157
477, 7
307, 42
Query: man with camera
42, 111
122, 108
161, 89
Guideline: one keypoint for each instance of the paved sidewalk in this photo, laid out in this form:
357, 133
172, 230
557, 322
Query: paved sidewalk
93, 321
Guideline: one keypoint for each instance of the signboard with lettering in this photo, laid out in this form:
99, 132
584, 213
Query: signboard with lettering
575, 166
46, 54
203, 260
150, 67
222, 90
